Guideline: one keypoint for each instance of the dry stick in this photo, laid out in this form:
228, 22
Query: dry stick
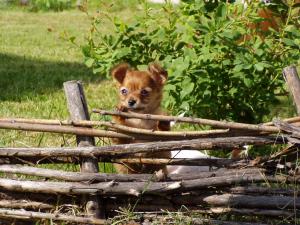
89, 123
214, 123
295, 131
84, 123
73, 176
24, 204
29, 215
263, 191
126, 188
78, 110
247, 201
103, 177
62, 130
184, 161
119, 150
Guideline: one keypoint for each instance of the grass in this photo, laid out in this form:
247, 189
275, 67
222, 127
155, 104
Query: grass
34, 63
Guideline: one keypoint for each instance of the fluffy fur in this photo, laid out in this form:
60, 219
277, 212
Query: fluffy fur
140, 92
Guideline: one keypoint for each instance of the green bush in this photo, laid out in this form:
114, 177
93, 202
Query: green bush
214, 71
47, 5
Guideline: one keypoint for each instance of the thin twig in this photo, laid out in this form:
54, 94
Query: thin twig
214, 123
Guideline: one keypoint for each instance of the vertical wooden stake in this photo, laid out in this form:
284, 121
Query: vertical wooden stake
78, 110
293, 82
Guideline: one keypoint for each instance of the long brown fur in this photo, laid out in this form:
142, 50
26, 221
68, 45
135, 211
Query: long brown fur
140, 92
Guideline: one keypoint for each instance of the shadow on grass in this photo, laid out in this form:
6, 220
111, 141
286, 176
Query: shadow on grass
22, 78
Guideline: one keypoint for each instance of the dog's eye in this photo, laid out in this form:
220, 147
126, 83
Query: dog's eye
124, 91
144, 92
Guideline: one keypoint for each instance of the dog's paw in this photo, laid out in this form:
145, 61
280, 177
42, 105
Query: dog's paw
121, 109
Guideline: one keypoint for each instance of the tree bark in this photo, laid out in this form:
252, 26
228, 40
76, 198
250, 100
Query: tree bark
79, 111
129, 188
122, 150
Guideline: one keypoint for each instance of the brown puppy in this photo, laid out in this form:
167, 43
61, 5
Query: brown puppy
140, 92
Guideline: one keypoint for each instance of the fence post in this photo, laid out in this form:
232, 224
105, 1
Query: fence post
293, 82
78, 110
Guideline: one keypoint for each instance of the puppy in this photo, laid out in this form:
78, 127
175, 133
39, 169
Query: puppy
140, 92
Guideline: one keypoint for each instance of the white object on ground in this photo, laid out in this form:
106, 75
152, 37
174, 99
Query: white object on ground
190, 154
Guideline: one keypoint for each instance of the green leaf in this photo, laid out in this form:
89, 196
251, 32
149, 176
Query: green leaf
89, 62
221, 10
248, 82
289, 42
187, 87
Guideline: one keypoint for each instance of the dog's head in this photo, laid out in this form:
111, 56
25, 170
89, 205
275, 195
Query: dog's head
140, 91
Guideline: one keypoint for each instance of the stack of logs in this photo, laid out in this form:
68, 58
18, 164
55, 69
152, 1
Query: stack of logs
262, 189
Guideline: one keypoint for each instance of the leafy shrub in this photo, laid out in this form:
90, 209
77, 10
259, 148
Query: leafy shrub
218, 66
47, 5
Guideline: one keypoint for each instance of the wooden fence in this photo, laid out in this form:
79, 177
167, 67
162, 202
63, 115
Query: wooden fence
252, 191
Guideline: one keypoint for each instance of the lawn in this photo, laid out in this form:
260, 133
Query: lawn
35, 61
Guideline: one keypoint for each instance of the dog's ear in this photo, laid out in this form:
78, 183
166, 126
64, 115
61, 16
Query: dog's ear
119, 72
159, 74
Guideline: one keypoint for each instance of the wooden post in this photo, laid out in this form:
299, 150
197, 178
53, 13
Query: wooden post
78, 110
293, 82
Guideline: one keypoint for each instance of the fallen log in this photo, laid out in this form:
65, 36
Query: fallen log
121, 150
30, 215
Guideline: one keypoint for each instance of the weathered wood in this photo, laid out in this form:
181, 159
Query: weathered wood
141, 133
126, 188
121, 150
293, 130
213, 123
263, 191
184, 161
74, 176
293, 82
79, 111
247, 201
103, 177
30, 215
25, 204
63, 130
38, 160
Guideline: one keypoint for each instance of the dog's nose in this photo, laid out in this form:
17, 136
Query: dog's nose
131, 102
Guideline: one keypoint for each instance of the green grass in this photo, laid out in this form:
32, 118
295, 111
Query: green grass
34, 63
35, 60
